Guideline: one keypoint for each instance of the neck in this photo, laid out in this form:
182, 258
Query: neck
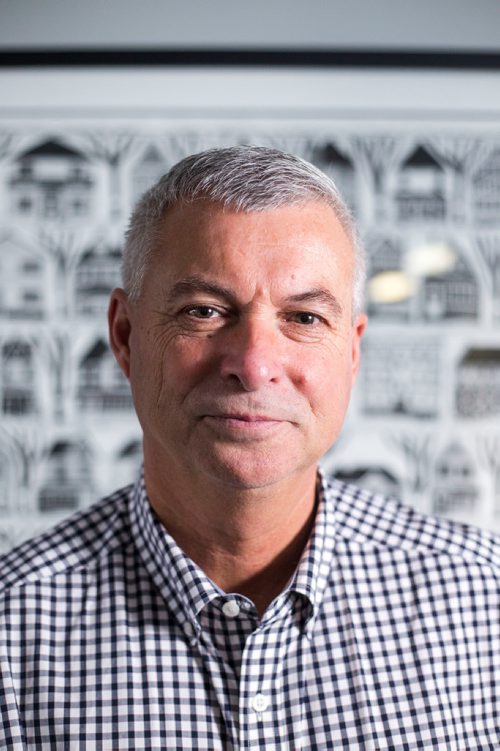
248, 541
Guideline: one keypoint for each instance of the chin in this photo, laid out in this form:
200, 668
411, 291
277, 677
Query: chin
249, 473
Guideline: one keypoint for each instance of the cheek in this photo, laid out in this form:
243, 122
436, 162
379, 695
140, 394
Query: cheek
326, 381
177, 368
146, 370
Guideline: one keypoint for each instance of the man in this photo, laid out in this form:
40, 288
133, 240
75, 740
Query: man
235, 598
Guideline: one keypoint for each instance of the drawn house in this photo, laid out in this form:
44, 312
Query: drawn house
339, 167
67, 479
8, 485
452, 295
478, 383
17, 378
486, 191
421, 188
496, 291
386, 255
373, 478
455, 487
400, 377
7, 541
51, 181
147, 171
97, 273
4, 481
101, 384
23, 282
129, 459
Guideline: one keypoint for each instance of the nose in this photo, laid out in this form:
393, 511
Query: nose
253, 355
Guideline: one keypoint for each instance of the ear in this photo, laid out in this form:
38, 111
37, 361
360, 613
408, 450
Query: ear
358, 328
119, 328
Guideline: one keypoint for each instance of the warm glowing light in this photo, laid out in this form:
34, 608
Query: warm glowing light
390, 287
430, 259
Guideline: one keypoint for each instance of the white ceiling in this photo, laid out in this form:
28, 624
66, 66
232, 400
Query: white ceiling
455, 25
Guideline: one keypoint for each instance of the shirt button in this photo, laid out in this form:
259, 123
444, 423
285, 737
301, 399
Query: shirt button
259, 703
231, 608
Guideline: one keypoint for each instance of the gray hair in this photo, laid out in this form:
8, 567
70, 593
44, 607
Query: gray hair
238, 178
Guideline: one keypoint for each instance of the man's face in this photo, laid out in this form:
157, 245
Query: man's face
241, 351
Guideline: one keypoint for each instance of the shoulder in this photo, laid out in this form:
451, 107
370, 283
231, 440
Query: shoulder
377, 522
74, 544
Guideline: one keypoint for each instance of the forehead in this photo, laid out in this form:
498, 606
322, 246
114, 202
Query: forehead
210, 221
295, 241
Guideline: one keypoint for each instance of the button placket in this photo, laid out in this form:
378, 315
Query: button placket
258, 676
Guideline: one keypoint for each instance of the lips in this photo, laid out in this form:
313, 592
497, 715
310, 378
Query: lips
242, 424
248, 413
245, 418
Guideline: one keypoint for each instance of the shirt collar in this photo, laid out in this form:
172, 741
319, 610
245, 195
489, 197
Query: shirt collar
314, 570
187, 589
182, 584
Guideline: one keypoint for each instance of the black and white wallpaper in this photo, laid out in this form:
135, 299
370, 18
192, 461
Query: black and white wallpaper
424, 423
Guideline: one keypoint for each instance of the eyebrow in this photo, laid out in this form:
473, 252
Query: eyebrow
321, 296
197, 284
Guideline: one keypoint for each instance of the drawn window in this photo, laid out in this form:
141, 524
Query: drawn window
25, 204
31, 296
30, 267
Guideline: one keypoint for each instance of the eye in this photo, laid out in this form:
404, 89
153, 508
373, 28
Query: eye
305, 318
202, 311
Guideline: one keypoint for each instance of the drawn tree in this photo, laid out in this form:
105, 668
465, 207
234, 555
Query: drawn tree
416, 450
64, 248
111, 148
9, 465
488, 247
180, 144
378, 155
28, 446
6, 144
462, 155
55, 352
295, 143
489, 454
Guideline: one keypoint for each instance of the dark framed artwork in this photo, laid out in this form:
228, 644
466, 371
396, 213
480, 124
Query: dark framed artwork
416, 151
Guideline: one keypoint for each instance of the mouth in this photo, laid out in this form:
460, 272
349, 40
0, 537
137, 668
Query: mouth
245, 423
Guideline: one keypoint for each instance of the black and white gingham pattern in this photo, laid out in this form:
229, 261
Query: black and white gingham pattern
388, 637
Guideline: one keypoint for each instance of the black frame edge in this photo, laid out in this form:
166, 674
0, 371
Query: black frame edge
423, 59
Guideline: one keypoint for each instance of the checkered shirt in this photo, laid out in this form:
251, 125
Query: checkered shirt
387, 637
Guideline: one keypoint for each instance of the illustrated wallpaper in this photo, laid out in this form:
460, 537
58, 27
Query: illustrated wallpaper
424, 424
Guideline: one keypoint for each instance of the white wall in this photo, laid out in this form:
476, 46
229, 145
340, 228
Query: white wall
455, 25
